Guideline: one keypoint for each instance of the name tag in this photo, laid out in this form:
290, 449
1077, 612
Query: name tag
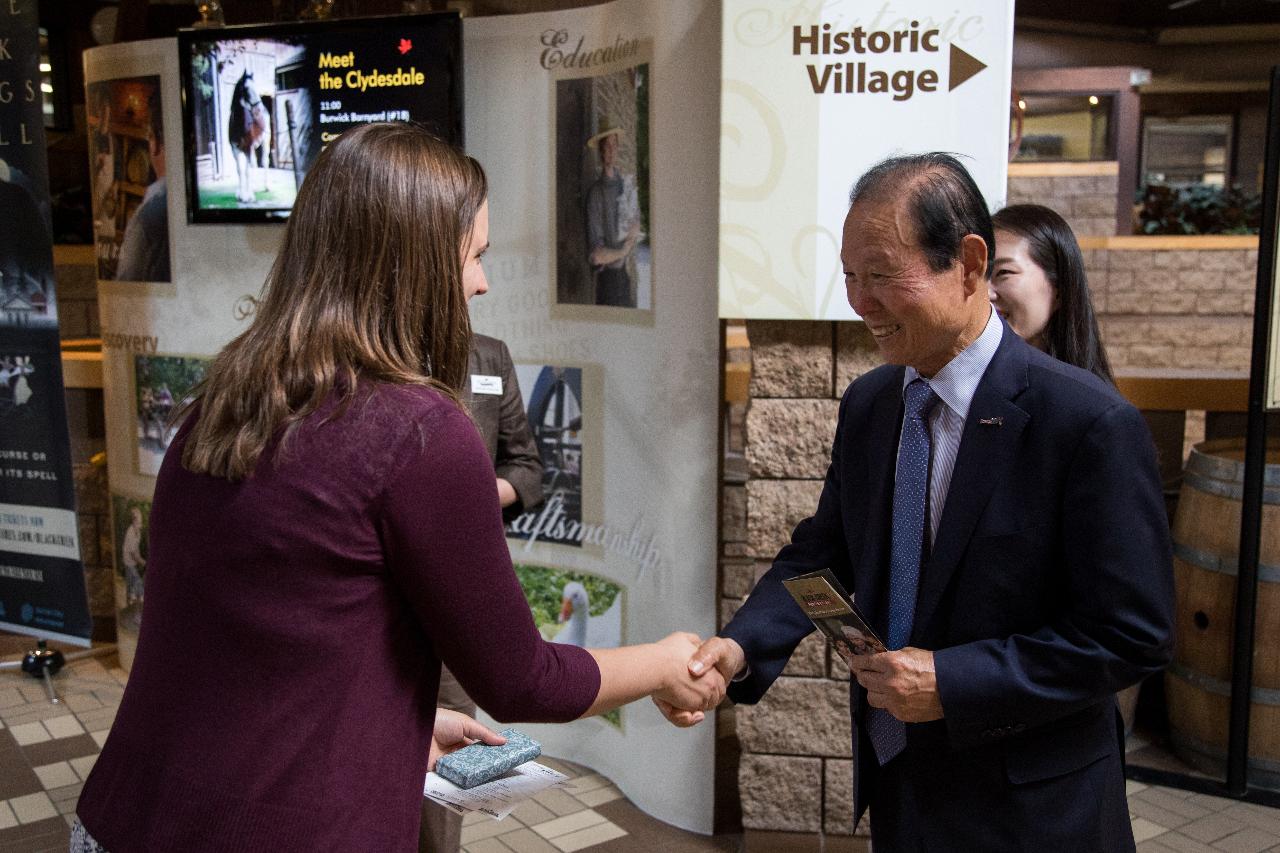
486, 384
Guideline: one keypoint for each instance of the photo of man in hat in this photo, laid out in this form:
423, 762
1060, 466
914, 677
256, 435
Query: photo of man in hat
613, 221
603, 254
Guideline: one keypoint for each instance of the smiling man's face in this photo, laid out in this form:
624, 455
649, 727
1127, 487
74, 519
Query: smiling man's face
918, 317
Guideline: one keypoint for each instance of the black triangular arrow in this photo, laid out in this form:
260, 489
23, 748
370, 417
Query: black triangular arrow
963, 66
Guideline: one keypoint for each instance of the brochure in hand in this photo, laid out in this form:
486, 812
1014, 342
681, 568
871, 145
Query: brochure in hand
824, 600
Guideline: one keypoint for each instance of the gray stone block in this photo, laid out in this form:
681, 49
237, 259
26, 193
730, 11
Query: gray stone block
1217, 303
1197, 358
1142, 355
774, 508
1128, 303
790, 439
790, 358
781, 793
809, 660
1125, 259
1119, 281
728, 607
1028, 186
856, 353
1096, 226
1151, 281
1245, 281
1178, 302
837, 805
1074, 185
739, 577
1235, 358
798, 716
733, 514
1093, 205
1225, 260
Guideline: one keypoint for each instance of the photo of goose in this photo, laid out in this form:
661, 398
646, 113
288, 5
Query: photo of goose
580, 628
575, 608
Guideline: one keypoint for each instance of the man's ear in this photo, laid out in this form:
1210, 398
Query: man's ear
973, 258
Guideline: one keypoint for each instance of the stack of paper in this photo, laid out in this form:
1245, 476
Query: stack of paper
497, 798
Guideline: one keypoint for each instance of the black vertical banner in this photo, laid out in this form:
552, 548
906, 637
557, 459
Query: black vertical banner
42, 590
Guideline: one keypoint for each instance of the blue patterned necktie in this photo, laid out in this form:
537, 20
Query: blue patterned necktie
906, 552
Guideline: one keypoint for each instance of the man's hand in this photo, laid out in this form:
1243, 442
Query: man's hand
453, 731
901, 682
725, 655
506, 493
684, 696
719, 658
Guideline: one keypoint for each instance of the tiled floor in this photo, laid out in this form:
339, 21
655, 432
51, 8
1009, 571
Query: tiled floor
46, 751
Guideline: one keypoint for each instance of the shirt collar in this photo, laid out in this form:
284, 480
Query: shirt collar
957, 382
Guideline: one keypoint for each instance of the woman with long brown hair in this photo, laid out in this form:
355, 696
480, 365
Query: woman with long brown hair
326, 532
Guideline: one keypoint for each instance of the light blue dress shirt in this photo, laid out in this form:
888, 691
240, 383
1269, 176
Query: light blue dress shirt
955, 385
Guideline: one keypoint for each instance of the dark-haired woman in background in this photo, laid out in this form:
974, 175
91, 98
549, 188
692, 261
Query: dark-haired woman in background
1038, 286
326, 532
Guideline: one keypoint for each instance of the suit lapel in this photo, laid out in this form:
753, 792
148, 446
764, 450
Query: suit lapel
881, 452
987, 452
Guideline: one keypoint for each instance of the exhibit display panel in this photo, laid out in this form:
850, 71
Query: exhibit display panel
600, 283
597, 128
186, 290
812, 96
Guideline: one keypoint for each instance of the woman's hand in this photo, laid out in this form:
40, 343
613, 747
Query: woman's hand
681, 690
453, 731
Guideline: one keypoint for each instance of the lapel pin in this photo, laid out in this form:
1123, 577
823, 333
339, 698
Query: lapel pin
991, 421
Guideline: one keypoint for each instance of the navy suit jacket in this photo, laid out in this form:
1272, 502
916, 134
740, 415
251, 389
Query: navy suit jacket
1048, 588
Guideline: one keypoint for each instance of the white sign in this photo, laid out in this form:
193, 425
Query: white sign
40, 531
814, 93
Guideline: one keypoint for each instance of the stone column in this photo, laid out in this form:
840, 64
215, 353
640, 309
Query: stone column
795, 772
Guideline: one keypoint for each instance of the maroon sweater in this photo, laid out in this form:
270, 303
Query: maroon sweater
283, 692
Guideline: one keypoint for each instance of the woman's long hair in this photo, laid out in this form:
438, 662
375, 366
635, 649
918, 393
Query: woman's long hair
1072, 334
367, 285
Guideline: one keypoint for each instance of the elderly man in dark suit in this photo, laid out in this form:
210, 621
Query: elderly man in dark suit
999, 518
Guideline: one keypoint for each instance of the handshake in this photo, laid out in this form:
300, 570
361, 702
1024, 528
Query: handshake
696, 676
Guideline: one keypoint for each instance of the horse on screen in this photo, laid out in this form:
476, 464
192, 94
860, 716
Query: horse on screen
247, 132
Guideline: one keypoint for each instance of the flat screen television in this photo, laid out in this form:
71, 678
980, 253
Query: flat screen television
259, 103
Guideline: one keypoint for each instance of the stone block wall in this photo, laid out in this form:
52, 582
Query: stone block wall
1087, 202
1175, 308
795, 772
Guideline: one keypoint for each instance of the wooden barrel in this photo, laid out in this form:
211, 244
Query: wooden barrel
1206, 540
